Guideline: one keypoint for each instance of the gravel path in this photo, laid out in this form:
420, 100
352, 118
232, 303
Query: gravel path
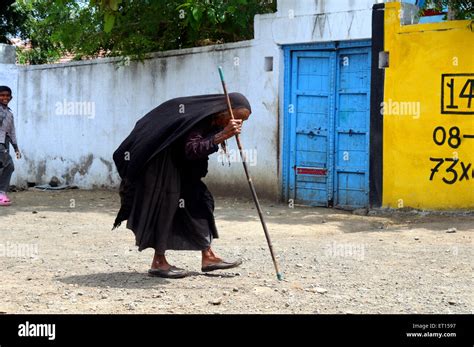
59, 255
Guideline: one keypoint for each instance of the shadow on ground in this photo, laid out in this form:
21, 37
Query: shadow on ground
126, 280
131, 280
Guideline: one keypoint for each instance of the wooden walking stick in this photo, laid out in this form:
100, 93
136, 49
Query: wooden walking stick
252, 189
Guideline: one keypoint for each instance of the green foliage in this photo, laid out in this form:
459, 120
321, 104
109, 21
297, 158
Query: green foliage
463, 9
110, 11
51, 28
132, 28
11, 20
219, 21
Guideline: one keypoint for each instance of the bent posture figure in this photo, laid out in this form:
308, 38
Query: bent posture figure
161, 163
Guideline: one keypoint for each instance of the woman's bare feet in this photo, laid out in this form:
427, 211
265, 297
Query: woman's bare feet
161, 268
211, 262
209, 258
160, 262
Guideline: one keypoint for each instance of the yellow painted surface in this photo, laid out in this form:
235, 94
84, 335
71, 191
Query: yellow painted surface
419, 56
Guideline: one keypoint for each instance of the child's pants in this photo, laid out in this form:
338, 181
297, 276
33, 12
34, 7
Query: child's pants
6, 168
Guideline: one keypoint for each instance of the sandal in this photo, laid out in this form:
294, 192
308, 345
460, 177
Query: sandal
172, 272
4, 200
222, 265
5, 203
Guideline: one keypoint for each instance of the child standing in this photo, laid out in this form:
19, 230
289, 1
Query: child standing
7, 136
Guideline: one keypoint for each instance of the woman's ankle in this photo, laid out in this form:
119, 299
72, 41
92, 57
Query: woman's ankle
159, 261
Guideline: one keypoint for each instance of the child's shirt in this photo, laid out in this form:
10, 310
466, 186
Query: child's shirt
7, 127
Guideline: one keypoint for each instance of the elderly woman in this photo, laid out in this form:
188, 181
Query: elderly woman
161, 163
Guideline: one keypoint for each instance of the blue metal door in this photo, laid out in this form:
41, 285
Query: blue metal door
327, 126
312, 100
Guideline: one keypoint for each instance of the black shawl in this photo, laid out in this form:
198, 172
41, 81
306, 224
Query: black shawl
159, 129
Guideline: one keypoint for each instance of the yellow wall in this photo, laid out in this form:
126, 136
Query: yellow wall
419, 55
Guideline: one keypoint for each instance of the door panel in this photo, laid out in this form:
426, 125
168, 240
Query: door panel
313, 83
351, 187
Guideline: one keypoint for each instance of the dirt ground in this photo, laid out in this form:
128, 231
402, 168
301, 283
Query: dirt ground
59, 255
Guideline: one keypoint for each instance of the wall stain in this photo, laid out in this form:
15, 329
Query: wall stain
350, 25
163, 67
109, 169
180, 60
40, 171
153, 65
82, 168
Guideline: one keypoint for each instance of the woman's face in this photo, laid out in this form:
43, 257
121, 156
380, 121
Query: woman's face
223, 118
